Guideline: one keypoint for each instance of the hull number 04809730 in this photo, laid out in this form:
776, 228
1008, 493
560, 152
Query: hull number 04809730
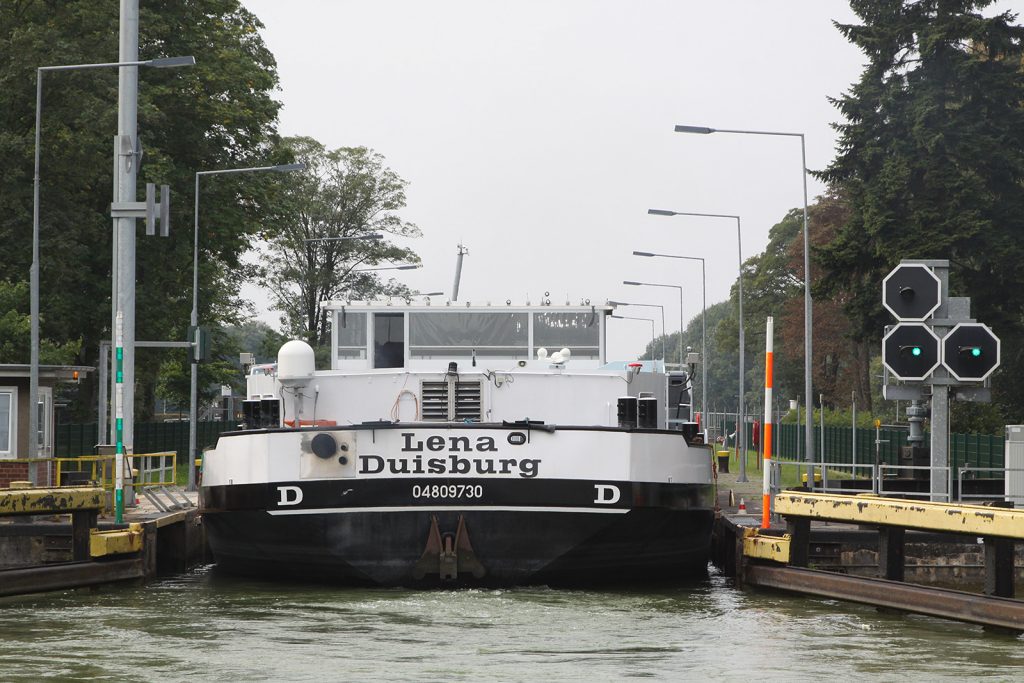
448, 491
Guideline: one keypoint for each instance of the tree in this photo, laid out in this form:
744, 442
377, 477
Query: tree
218, 114
931, 159
345, 192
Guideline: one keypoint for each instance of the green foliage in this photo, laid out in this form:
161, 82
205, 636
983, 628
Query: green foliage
931, 159
16, 331
341, 193
217, 114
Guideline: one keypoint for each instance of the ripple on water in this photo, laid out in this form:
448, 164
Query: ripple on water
200, 626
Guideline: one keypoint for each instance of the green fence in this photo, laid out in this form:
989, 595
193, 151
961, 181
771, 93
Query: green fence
974, 450
71, 440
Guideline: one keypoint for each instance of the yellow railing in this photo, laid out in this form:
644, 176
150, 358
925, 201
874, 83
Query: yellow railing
141, 470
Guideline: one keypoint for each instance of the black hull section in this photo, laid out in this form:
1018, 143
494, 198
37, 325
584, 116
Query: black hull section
511, 547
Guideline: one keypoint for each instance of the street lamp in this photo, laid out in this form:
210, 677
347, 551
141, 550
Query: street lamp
808, 328
404, 266
682, 362
370, 236
703, 315
194, 319
626, 303
741, 434
33, 389
631, 317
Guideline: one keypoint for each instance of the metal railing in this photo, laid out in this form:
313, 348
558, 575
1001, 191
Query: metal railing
967, 469
142, 470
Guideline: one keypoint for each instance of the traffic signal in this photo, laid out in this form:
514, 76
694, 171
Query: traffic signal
910, 351
970, 352
911, 291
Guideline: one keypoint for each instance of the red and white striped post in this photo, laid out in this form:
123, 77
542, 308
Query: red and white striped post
766, 499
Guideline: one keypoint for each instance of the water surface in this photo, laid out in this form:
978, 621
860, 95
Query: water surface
204, 626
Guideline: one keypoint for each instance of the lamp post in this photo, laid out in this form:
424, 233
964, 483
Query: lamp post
631, 317
33, 391
741, 434
808, 328
682, 362
626, 303
703, 329
194, 319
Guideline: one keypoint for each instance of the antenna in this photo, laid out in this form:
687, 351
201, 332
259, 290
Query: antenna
458, 271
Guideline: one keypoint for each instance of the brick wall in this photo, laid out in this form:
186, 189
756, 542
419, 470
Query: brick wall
11, 470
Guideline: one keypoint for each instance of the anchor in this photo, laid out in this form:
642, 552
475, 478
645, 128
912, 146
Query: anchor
449, 554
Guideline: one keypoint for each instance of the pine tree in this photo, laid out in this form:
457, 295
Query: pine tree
931, 159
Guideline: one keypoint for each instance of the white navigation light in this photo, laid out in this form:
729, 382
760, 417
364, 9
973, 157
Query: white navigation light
296, 363
566, 354
542, 353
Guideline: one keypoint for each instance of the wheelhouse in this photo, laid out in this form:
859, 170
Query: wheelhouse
381, 335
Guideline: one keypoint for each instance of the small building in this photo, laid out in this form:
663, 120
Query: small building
14, 416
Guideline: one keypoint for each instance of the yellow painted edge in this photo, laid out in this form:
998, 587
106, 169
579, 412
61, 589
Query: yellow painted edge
773, 548
52, 501
119, 542
975, 520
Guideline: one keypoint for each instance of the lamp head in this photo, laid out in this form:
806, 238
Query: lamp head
699, 130
169, 62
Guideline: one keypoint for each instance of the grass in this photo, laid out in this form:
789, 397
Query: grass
791, 475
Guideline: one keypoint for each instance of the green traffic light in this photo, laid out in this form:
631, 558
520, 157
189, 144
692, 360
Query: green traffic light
915, 351
975, 352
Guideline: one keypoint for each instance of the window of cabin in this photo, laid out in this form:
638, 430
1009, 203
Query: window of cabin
578, 332
447, 334
351, 335
388, 340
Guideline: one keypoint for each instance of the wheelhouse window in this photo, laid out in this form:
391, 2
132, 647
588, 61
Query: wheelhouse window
351, 335
578, 332
447, 334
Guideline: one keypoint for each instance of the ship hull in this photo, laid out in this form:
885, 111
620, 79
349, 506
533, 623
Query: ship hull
423, 505
510, 546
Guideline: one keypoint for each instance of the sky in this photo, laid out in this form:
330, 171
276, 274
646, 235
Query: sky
538, 133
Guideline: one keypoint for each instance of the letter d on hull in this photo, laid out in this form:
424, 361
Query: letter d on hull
290, 495
605, 494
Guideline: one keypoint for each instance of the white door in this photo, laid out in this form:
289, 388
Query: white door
45, 435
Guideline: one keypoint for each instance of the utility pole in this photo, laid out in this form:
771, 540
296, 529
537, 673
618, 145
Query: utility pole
127, 155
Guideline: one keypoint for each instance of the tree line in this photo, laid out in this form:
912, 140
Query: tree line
220, 114
929, 165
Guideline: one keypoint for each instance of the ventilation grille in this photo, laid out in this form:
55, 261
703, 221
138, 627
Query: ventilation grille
434, 400
467, 401
450, 400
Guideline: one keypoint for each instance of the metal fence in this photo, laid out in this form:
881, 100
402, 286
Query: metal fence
150, 437
970, 450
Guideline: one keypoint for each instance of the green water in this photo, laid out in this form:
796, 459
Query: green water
202, 626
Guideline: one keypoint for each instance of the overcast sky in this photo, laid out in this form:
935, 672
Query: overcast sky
539, 132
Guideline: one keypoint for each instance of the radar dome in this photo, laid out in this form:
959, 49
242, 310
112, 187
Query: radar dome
295, 363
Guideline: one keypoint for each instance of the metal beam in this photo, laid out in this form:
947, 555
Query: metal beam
119, 542
63, 576
936, 602
50, 501
773, 548
975, 520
